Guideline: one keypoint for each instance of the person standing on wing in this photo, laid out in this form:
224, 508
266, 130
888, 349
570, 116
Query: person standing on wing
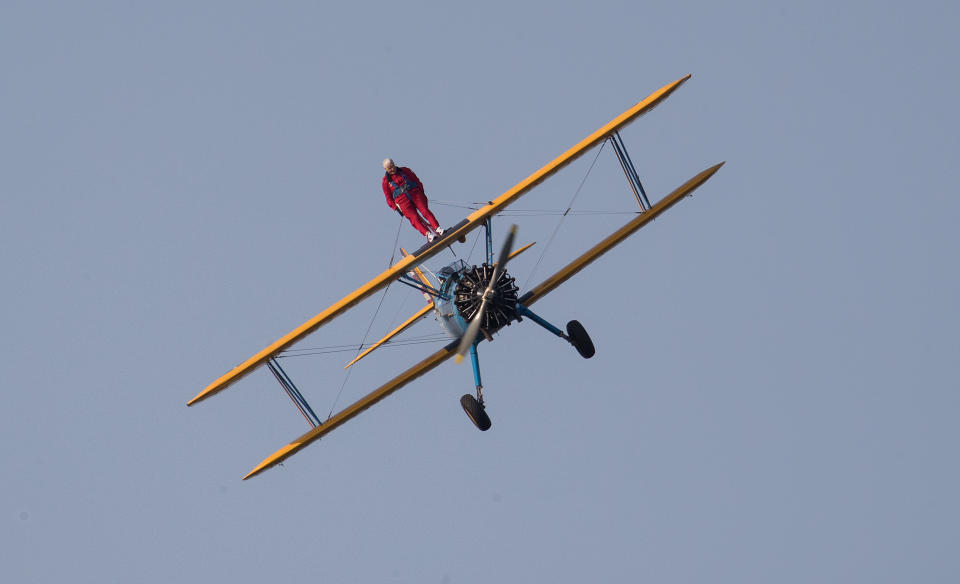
404, 193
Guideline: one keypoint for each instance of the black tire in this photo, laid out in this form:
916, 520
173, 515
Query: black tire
475, 412
580, 339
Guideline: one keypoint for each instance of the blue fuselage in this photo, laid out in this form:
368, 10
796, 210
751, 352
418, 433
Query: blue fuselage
443, 306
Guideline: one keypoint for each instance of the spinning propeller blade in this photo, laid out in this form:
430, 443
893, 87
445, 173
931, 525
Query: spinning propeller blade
468, 337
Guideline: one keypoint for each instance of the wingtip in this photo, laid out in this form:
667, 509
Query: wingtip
701, 177
705, 175
266, 464
200, 397
678, 82
275, 459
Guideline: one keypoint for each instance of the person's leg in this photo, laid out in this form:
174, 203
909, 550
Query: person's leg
420, 200
410, 212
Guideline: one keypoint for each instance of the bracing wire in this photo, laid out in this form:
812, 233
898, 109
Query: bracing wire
331, 349
564, 215
476, 240
396, 240
346, 377
547, 213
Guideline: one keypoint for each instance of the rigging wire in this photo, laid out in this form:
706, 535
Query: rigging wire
396, 315
346, 377
564, 215
349, 346
396, 240
331, 349
476, 240
547, 213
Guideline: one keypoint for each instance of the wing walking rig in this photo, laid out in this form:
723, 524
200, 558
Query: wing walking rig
471, 302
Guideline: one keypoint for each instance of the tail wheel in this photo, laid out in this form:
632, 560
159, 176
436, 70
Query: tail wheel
580, 339
476, 412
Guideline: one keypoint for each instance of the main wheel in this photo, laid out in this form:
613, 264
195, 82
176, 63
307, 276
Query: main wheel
580, 339
476, 412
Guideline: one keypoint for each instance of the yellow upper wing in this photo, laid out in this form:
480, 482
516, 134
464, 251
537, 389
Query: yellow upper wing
474, 220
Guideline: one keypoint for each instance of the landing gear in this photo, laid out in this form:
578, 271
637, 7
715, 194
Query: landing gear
476, 412
474, 405
576, 334
580, 339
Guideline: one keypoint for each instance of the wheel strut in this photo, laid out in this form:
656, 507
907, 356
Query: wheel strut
474, 406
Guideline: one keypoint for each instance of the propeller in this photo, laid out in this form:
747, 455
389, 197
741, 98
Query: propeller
468, 337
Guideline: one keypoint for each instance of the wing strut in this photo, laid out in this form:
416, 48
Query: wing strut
298, 400
628, 169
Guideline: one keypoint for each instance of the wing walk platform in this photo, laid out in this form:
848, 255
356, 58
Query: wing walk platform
461, 229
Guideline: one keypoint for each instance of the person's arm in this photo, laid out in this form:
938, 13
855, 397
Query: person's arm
388, 194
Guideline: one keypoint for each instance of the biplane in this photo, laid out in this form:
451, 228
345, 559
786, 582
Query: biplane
471, 302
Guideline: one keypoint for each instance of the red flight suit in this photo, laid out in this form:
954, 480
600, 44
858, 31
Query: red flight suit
404, 191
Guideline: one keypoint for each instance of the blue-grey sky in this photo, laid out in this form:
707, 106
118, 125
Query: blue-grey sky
773, 396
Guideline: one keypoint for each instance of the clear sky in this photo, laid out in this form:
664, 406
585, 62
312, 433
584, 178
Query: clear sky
774, 396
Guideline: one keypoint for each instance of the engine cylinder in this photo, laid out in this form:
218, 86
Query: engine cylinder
502, 306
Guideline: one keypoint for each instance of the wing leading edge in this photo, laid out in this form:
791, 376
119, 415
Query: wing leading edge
472, 221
